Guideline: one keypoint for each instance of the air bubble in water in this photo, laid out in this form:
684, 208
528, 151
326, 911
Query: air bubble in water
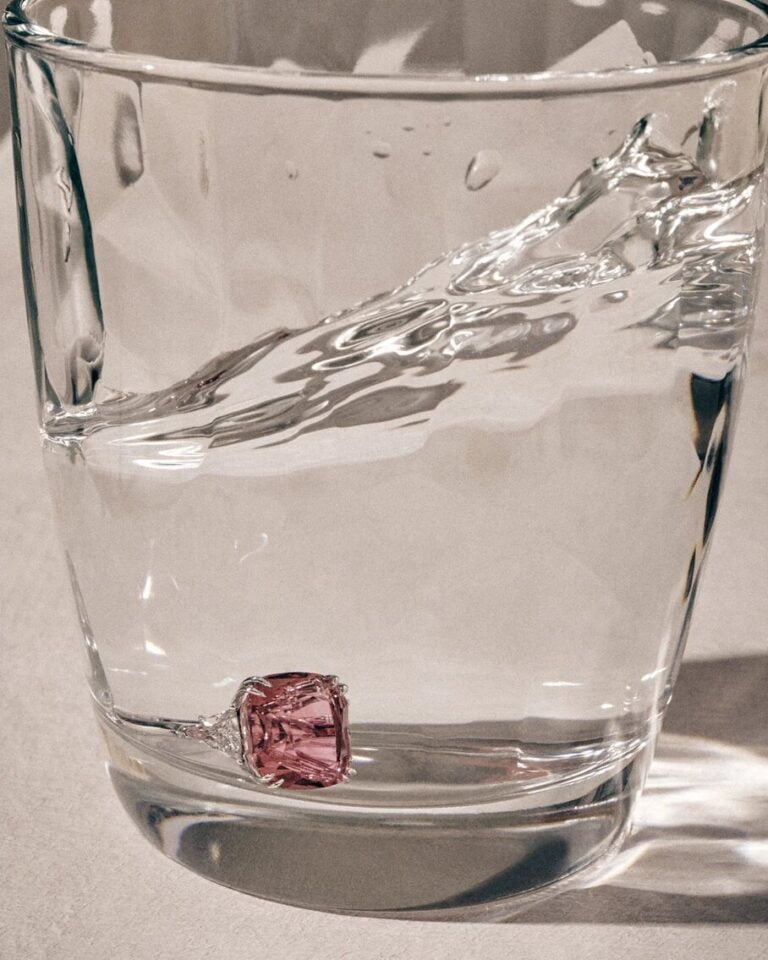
482, 169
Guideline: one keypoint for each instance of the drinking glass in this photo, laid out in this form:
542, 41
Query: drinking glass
387, 355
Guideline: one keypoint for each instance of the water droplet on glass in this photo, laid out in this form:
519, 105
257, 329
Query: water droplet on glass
381, 149
127, 139
482, 169
58, 19
408, 128
616, 297
427, 151
291, 169
447, 122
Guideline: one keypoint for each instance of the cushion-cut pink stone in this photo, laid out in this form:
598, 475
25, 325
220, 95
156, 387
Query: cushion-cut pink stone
295, 730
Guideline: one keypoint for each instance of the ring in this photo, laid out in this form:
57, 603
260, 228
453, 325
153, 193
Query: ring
286, 730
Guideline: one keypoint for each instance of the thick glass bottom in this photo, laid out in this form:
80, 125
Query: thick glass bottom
472, 861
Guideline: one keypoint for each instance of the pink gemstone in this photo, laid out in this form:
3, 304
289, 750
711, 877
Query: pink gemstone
295, 730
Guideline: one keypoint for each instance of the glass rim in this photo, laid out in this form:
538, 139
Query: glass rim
22, 31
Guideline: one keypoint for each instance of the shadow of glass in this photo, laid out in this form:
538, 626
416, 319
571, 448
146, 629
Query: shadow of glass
698, 852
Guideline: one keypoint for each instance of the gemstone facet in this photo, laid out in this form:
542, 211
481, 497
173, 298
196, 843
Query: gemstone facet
294, 730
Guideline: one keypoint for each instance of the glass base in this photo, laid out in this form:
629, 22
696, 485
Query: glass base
484, 861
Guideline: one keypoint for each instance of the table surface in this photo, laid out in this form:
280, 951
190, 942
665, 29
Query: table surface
79, 882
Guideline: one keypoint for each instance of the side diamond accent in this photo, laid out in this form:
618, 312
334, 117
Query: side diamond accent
222, 732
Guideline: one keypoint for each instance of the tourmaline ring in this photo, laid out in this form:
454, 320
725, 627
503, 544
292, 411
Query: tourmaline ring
286, 730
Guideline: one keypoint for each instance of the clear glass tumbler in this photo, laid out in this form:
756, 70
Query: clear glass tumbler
397, 342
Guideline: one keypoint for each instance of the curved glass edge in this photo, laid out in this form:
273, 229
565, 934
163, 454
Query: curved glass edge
24, 32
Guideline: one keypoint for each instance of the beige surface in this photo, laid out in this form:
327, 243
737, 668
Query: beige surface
78, 882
